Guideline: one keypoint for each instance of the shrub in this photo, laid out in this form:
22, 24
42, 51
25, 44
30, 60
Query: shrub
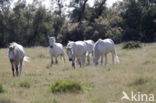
131, 45
24, 84
1, 88
139, 81
66, 86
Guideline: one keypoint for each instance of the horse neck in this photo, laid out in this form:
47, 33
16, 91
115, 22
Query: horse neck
54, 44
73, 48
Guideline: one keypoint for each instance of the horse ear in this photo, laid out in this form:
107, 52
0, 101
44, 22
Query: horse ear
13, 47
48, 36
68, 47
8, 45
99, 39
70, 41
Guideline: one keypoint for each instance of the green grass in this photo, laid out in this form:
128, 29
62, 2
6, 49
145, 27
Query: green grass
66, 86
100, 84
1, 88
24, 84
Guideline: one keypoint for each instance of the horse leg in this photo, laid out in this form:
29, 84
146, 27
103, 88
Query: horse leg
21, 63
63, 57
83, 60
88, 58
105, 59
113, 57
52, 62
12, 66
80, 62
16, 69
101, 59
56, 61
73, 64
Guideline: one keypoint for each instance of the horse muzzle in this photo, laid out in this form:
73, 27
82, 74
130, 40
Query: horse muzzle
51, 46
70, 59
11, 60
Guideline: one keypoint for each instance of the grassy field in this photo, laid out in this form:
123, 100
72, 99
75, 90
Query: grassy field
136, 72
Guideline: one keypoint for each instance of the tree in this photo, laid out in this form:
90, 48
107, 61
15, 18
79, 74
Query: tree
58, 6
4, 16
77, 14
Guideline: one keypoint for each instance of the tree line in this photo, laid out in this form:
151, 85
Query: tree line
31, 24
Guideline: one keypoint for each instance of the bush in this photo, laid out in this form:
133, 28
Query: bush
1, 88
66, 86
131, 45
24, 84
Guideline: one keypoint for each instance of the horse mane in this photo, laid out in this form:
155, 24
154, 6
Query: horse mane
13, 44
17, 46
99, 40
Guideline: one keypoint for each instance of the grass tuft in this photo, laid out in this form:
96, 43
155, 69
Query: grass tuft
66, 86
132, 45
1, 88
41, 56
24, 84
55, 101
139, 81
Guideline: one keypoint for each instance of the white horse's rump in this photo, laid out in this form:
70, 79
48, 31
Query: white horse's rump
102, 48
77, 50
16, 56
55, 50
90, 45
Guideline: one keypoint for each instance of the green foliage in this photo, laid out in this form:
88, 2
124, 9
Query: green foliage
24, 84
1, 88
131, 45
30, 25
66, 86
138, 17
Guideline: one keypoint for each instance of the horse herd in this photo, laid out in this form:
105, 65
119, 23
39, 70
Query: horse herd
77, 52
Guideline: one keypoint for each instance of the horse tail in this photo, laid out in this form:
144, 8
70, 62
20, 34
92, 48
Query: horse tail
26, 58
63, 57
116, 57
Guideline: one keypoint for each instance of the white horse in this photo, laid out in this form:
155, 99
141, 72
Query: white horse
76, 50
55, 50
102, 48
90, 45
16, 56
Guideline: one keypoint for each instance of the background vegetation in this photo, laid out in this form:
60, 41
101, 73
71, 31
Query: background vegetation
30, 25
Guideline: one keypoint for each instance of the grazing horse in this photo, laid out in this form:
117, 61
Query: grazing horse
102, 48
16, 56
55, 50
90, 45
76, 51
